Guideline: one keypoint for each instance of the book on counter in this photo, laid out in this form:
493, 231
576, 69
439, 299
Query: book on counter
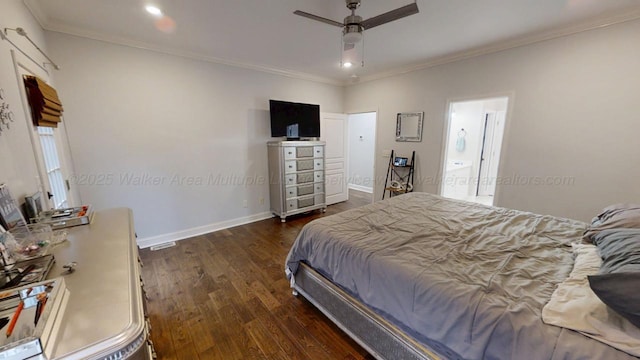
30, 318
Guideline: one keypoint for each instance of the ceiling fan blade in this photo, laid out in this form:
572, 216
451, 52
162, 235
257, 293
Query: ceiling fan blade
392, 15
318, 18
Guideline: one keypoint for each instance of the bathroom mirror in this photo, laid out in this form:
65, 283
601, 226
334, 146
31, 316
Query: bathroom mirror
409, 126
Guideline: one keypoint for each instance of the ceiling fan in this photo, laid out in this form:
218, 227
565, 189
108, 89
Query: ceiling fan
353, 25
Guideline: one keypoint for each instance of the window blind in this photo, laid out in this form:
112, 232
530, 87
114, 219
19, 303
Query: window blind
45, 104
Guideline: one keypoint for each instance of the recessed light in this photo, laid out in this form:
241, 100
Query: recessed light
347, 65
153, 10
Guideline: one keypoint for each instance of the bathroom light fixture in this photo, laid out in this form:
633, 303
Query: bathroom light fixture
153, 10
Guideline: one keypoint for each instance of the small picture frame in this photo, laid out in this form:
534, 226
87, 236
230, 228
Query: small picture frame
400, 161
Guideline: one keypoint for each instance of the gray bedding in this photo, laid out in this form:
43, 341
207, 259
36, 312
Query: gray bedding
466, 277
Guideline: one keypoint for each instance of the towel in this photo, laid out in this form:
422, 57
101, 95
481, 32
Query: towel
460, 143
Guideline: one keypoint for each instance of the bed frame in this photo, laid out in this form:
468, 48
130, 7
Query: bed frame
380, 338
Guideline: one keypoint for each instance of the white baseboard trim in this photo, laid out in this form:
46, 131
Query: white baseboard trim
200, 230
361, 188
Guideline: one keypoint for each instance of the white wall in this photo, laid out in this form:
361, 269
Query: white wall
137, 115
18, 167
572, 114
362, 141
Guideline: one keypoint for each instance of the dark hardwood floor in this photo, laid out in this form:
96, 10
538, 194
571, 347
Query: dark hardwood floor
224, 295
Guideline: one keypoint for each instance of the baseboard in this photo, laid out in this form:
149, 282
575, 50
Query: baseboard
361, 188
200, 230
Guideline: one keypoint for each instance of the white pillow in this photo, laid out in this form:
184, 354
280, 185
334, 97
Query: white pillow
575, 306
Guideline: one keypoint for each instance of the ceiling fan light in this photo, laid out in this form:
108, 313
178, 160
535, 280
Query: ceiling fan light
352, 55
352, 33
352, 37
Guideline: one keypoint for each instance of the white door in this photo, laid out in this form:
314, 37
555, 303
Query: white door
48, 146
333, 130
490, 158
496, 148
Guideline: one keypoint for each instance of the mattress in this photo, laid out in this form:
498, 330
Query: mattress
462, 278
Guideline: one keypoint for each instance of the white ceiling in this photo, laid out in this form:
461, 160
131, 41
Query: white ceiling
265, 34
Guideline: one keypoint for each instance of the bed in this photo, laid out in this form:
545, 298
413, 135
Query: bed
418, 276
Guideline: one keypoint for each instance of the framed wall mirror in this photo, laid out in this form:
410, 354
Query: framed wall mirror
409, 126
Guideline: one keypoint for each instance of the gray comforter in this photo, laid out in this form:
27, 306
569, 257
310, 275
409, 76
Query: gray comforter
458, 276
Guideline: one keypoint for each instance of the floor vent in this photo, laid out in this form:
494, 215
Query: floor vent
163, 246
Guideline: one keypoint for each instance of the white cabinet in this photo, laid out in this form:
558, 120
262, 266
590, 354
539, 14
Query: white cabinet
296, 177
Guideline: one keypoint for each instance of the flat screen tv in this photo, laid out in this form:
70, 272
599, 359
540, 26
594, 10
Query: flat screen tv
294, 120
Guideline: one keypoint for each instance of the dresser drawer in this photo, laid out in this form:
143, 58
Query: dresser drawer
308, 164
303, 203
318, 151
318, 188
290, 166
290, 179
302, 190
307, 177
319, 199
305, 151
292, 191
318, 176
318, 164
305, 189
289, 152
292, 205
300, 165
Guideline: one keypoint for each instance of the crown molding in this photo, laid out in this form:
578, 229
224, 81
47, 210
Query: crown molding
509, 44
591, 24
35, 10
187, 54
44, 22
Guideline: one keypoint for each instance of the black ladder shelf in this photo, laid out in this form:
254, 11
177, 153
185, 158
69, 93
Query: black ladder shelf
399, 175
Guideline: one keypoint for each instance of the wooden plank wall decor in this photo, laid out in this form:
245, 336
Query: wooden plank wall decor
46, 107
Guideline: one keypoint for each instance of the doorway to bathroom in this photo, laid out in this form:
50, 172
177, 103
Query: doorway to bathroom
361, 149
472, 149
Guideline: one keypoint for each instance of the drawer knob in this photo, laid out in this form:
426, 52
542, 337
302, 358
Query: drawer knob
70, 267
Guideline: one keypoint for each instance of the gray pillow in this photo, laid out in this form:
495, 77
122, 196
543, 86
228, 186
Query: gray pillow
620, 292
618, 280
619, 249
617, 216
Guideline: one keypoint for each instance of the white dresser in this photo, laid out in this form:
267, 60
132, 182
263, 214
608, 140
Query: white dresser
296, 177
105, 318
